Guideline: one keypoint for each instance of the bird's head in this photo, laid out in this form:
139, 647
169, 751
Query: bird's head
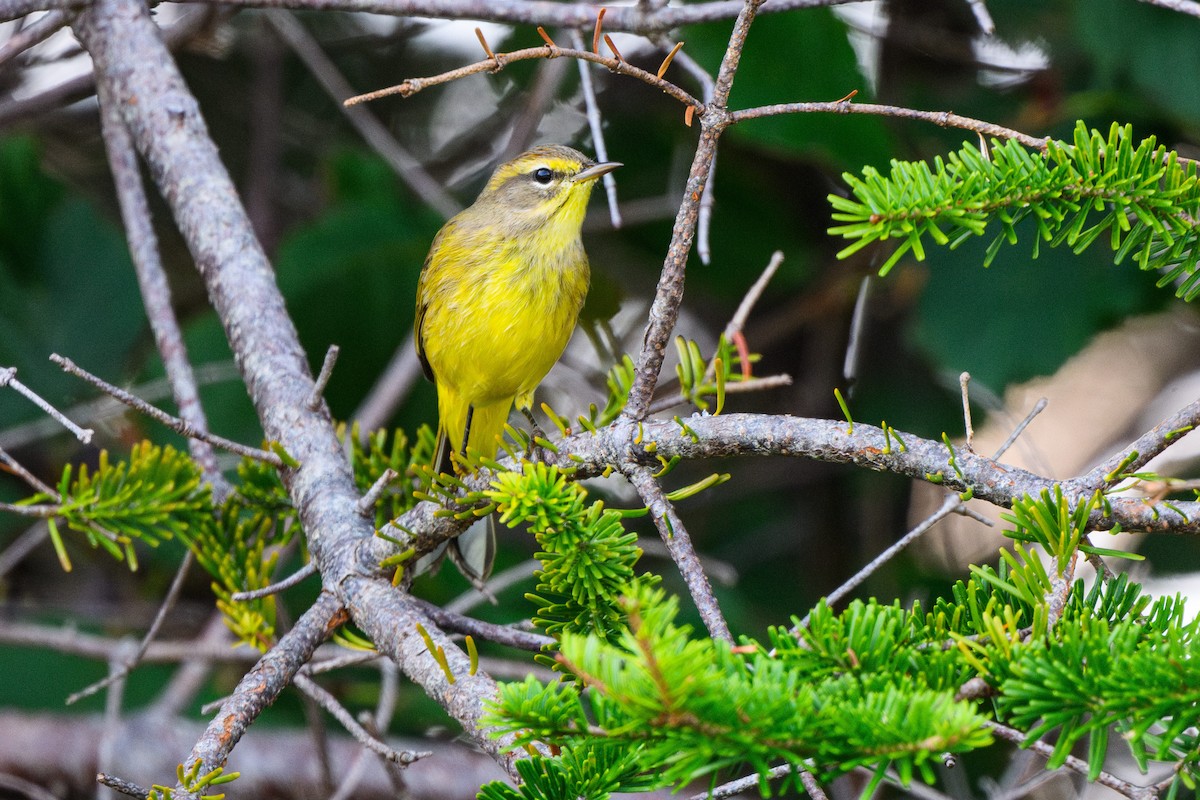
548, 185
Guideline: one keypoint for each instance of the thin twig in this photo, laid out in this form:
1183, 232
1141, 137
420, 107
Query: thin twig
314, 397
123, 786
176, 424
675, 536
963, 381
1075, 764
335, 709
734, 387
1038, 408
97, 410
737, 322
413, 85
152, 282
500, 634
127, 666
948, 506
8, 377
366, 505
496, 584
19, 470
596, 125
739, 785
275, 588
944, 119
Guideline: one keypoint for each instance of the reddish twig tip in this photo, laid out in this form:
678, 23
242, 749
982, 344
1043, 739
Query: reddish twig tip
608, 41
486, 48
662, 68
599, 27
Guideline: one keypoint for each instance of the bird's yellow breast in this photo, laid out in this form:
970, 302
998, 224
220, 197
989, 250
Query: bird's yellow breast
498, 313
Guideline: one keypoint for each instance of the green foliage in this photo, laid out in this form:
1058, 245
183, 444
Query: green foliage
619, 382
1050, 521
684, 708
1115, 661
874, 686
700, 379
1148, 198
587, 556
194, 783
383, 451
149, 498
593, 769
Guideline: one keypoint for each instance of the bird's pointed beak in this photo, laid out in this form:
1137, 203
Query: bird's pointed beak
596, 170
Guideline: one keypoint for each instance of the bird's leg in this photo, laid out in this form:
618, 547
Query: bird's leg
466, 433
535, 434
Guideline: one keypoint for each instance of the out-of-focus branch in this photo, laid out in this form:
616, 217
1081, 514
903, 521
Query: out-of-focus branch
60, 750
152, 281
32, 34
368, 126
628, 19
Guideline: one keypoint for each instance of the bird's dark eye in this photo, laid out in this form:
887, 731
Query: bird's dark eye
542, 175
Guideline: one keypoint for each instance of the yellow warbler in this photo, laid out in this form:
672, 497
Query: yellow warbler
497, 300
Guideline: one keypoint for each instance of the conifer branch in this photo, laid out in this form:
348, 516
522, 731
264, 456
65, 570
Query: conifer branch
1147, 199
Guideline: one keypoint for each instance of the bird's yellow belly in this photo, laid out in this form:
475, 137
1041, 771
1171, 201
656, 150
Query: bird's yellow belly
495, 339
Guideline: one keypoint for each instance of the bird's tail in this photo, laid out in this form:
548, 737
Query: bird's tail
474, 550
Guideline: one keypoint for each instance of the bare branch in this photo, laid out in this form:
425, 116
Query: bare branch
596, 125
679, 544
1077, 765
314, 397
259, 687
949, 506
275, 588
501, 634
668, 295
8, 377
152, 281
413, 85
118, 672
27, 476
330, 704
366, 506
182, 427
944, 119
